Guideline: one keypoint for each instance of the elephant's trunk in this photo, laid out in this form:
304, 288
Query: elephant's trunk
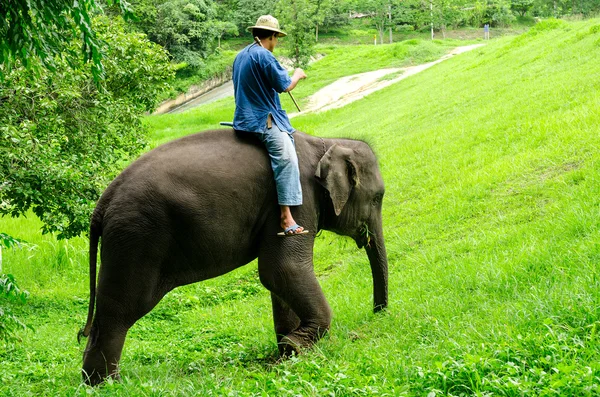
379, 267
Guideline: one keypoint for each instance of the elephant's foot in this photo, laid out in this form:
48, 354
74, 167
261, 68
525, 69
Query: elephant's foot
101, 357
299, 340
94, 377
289, 347
96, 368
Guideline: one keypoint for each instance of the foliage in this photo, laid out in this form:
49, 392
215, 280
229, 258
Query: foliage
379, 11
329, 14
10, 293
186, 28
297, 19
412, 13
7, 241
225, 29
500, 14
559, 8
521, 6
62, 138
333, 13
217, 64
246, 12
38, 30
144, 14
448, 13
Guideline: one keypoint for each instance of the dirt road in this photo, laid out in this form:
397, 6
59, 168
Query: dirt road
352, 88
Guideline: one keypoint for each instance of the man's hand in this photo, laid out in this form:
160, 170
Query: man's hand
299, 74
296, 77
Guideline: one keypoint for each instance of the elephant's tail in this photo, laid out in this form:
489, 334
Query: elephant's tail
95, 233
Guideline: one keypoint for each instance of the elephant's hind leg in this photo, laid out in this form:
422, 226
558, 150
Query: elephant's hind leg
119, 304
103, 350
300, 309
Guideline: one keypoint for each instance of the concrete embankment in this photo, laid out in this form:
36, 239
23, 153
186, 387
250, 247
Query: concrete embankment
210, 90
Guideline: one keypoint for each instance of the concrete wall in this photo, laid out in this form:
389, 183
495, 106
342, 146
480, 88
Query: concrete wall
194, 92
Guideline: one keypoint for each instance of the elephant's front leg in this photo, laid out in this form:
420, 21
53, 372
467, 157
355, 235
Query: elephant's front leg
301, 312
285, 320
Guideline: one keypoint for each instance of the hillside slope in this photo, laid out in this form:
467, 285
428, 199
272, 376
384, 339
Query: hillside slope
492, 169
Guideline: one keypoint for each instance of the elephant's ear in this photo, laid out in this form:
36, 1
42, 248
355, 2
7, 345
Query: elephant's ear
338, 173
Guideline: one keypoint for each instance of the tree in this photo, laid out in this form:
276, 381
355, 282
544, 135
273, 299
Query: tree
321, 9
499, 13
39, 30
476, 15
247, 11
447, 13
186, 28
226, 22
521, 6
296, 17
412, 13
336, 14
224, 28
558, 8
63, 138
379, 11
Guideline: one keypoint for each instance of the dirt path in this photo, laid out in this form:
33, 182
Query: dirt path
352, 88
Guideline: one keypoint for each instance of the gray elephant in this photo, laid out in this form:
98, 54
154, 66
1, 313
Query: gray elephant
205, 204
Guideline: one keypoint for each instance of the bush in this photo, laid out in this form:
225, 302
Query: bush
63, 138
9, 323
549, 24
186, 28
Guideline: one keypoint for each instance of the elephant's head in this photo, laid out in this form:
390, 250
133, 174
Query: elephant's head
351, 176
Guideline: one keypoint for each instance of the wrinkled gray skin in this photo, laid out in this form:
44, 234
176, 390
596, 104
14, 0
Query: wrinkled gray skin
203, 205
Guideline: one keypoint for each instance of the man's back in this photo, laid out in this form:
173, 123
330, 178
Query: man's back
257, 79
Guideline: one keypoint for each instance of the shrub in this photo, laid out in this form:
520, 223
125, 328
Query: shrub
549, 24
10, 293
63, 138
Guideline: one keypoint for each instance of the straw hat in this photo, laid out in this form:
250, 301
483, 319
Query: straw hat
267, 22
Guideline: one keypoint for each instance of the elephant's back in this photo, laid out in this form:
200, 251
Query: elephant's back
214, 151
207, 160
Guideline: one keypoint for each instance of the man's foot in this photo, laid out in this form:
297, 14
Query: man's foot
292, 231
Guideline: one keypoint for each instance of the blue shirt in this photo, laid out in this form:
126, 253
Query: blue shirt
258, 78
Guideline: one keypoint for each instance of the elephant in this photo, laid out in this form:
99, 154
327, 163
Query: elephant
205, 204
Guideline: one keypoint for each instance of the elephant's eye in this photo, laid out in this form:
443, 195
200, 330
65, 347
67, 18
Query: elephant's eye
377, 200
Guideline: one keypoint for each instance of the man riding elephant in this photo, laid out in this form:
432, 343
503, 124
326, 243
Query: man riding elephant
258, 78
203, 205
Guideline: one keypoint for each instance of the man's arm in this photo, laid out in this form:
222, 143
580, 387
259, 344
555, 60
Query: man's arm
296, 77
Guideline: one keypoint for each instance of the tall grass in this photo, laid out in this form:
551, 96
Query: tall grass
492, 220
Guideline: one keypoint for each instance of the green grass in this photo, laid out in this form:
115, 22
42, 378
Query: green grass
167, 127
492, 219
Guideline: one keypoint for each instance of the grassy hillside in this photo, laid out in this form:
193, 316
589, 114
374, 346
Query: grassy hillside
492, 219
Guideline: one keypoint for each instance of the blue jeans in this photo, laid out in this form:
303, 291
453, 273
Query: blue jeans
284, 162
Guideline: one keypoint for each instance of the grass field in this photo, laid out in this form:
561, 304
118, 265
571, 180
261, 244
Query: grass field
492, 219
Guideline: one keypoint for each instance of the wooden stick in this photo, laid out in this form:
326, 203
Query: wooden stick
257, 40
